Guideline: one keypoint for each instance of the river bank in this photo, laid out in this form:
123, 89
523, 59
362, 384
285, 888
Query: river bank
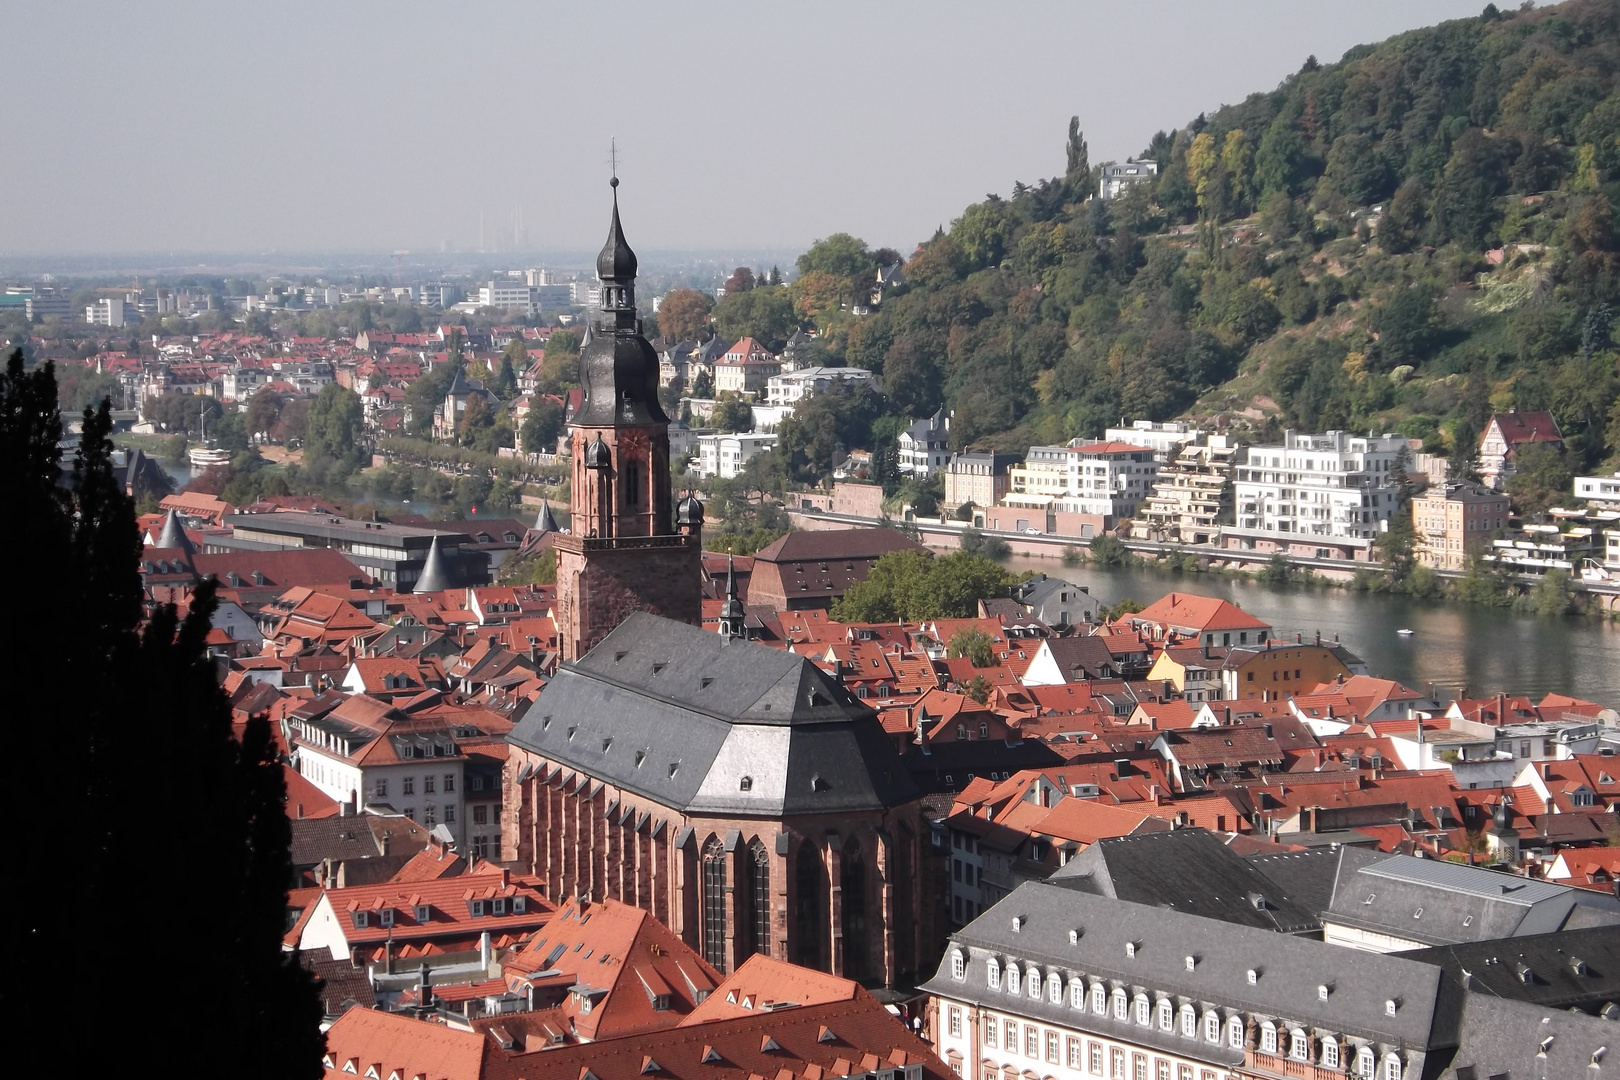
1453, 645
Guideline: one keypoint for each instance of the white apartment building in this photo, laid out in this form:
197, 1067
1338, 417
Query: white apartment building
510, 295
1599, 489
1161, 437
1335, 486
791, 387
1052, 982
1105, 479
725, 455
112, 312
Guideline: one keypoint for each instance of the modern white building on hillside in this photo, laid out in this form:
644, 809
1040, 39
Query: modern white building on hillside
1105, 479
725, 455
1160, 436
791, 387
1336, 490
925, 445
1601, 489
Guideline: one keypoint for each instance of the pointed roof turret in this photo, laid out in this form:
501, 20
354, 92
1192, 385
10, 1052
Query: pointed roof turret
731, 612
435, 572
545, 522
617, 366
616, 263
173, 536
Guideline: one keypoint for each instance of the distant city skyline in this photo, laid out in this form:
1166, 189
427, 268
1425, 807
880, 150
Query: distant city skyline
314, 128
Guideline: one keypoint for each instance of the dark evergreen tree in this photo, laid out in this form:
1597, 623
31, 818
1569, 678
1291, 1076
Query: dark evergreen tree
170, 837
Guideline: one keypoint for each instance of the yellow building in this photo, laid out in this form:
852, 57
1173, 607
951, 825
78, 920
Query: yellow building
1455, 521
1272, 672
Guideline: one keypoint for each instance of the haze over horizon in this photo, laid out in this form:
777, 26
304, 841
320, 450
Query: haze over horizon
184, 128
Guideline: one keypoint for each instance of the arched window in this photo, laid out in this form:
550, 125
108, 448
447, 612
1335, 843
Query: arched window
1392, 1067
1166, 1013
993, 970
1013, 983
958, 964
714, 902
1144, 1010
1330, 1052
1054, 988
1235, 1033
809, 888
1268, 1038
759, 898
1034, 982
1299, 1047
1122, 1005
1189, 1022
1099, 998
1212, 1026
854, 895
1077, 994
1364, 1062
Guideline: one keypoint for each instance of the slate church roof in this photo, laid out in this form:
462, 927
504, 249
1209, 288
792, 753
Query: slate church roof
1187, 870
703, 724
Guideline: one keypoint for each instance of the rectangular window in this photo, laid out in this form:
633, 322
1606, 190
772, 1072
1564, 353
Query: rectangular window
1161, 1069
407, 786
1139, 1067
1095, 1051
427, 785
1116, 1063
449, 813
990, 1031
1073, 1047
1185, 1072
449, 781
956, 1021
1011, 1033
480, 814
381, 788
1032, 1041
1052, 1047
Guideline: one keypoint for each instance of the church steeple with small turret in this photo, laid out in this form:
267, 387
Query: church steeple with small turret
626, 551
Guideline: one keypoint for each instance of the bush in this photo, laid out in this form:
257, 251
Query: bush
1110, 551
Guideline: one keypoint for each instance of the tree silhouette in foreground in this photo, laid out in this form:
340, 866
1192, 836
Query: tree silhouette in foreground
159, 841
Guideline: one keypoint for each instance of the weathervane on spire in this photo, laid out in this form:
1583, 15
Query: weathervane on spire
613, 161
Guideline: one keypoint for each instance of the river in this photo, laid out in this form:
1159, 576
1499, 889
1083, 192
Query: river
1453, 646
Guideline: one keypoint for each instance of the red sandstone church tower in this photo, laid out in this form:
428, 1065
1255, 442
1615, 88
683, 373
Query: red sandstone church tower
629, 550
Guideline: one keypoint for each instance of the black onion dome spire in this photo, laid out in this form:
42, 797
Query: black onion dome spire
616, 263
689, 511
618, 368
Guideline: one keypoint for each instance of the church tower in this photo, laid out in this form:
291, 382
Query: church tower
629, 548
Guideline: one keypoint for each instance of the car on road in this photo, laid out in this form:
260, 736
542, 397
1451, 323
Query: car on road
1032, 532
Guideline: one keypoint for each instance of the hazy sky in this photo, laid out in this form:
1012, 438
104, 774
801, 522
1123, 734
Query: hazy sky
347, 126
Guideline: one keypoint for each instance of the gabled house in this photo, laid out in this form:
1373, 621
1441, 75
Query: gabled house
1508, 433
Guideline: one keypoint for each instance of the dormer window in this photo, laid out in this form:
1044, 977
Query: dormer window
1013, 982
1298, 1046
498, 905
1144, 1010
1166, 1015
385, 917
476, 907
1268, 1038
958, 965
362, 919
424, 913
1035, 983
1054, 988
1234, 1033
993, 973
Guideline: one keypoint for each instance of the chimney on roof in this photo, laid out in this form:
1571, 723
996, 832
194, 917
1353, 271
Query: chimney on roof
1546, 770
1319, 637
424, 990
506, 877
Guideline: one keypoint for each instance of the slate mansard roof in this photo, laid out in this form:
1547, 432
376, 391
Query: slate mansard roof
1187, 870
704, 724
1442, 903
1289, 970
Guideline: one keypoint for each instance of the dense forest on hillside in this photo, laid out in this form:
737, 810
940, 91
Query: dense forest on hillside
1404, 240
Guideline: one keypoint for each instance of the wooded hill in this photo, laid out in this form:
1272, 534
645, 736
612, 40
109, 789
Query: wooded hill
1403, 240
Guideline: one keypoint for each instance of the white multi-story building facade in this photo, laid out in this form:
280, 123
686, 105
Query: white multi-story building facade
791, 387
1338, 489
725, 455
1117, 177
1106, 479
925, 445
510, 295
1163, 437
1052, 982
364, 754
1599, 489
